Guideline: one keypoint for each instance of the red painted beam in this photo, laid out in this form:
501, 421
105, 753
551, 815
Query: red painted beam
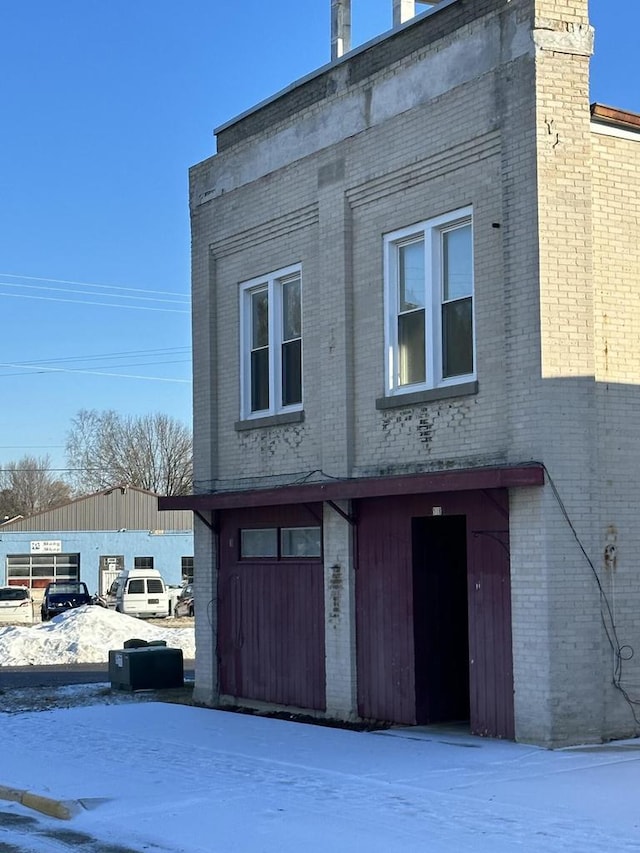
460, 480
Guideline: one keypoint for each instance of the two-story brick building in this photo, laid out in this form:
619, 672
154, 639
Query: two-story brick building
416, 365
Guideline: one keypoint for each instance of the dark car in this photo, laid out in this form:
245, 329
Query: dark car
62, 596
184, 602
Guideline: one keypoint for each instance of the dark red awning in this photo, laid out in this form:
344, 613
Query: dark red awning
459, 480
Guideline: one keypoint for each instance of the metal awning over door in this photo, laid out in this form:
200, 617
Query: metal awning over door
461, 479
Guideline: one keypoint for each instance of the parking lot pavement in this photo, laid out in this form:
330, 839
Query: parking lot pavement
22, 832
18, 677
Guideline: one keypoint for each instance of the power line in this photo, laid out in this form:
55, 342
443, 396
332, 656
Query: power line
89, 293
43, 369
39, 369
117, 354
31, 367
59, 470
28, 446
96, 304
87, 284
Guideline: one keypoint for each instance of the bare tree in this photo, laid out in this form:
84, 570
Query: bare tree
28, 486
153, 452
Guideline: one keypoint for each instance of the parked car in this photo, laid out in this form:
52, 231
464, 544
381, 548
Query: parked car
16, 604
174, 591
63, 595
184, 602
139, 592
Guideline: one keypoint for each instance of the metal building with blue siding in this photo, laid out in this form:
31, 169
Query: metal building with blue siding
93, 537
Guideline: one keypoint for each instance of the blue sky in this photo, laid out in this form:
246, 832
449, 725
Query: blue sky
104, 107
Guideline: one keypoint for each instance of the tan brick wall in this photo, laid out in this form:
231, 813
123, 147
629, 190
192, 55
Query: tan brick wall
616, 240
329, 211
561, 14
495, 116
339, 607
557, 636
206, 597
564, 202
616, 247
464, 430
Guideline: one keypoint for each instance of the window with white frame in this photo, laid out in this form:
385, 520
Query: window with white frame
429, 316
271, 344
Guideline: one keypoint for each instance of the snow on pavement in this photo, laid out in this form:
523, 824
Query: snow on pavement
179, 779
84, 635
192, 780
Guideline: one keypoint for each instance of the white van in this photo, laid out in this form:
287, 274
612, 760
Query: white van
139, 592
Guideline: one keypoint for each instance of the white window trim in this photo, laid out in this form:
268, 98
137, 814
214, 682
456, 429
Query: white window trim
272, 284
430, 231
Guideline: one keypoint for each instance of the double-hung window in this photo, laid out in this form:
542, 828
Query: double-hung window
429, 314
271, 344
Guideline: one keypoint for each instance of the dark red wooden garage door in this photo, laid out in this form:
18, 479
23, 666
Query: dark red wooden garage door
390, 616
271, 615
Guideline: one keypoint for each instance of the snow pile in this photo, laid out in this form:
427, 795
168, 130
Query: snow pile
84, 635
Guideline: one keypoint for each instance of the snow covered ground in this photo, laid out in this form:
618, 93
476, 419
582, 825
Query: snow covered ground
168, 778
158, 777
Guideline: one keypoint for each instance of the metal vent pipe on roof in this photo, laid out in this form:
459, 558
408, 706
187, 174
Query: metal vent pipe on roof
403, 10
340, 28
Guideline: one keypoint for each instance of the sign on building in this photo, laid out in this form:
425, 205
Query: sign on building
45, 546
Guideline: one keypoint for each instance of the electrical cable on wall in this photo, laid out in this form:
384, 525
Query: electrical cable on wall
622, 652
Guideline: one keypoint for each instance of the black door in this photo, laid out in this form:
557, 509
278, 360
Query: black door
441, 627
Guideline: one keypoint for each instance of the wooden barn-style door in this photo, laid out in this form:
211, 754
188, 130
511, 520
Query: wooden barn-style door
433, 611
271, 606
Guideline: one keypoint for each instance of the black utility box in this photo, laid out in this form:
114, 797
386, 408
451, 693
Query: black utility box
146, 668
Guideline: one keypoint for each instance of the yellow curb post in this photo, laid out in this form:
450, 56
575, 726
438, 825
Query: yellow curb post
12, 794
61, 809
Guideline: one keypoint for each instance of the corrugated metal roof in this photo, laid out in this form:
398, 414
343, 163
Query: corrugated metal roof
117, 508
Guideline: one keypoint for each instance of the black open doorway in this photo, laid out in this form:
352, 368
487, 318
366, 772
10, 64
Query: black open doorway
440, 617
